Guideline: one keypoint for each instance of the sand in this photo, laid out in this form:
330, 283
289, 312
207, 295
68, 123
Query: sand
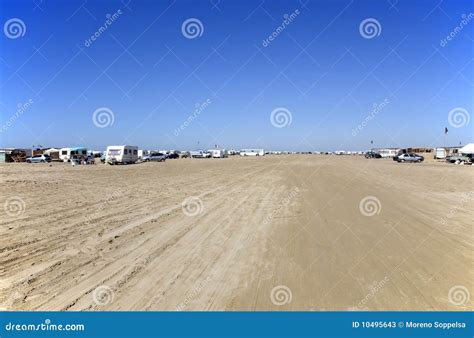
300, 232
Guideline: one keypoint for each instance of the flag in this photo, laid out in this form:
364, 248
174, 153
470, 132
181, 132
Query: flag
445, 130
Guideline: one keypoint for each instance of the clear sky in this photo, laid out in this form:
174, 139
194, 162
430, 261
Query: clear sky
155, 83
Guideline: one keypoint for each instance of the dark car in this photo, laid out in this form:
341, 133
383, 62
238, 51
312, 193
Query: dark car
172, 155
372, 154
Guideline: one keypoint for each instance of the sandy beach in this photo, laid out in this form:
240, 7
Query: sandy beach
301, 232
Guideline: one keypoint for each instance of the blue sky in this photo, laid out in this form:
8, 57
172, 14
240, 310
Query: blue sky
322, 74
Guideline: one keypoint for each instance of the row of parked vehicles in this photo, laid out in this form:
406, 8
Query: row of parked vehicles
401, 157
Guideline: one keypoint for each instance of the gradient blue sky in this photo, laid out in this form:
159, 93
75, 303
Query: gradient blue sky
320, 68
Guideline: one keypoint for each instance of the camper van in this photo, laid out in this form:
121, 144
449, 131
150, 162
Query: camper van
199, 154
68, 154
121, 154
439, 153
217, 153
252, 152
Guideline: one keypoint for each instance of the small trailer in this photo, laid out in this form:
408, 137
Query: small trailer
218, 153
199, 154
76, 154
439, 153
121, 154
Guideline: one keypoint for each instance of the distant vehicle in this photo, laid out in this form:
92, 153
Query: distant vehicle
372, 154
439, 153
410, 157
68, 154
199, 154
252, 152
217, 153
121, 154
155, 157
172, 155
460, 158
38, 159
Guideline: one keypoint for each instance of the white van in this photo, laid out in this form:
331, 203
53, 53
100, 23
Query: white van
77, 153
252, 152
439, 153
121, 154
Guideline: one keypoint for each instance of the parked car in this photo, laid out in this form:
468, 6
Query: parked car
38, 159
410, 157
460, 158
156, 157
172, 155
372, 154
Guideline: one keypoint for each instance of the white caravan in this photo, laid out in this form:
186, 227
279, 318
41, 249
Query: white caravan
217, 153
252, 152
66, 154
121, 154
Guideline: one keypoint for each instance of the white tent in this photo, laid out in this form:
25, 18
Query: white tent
467, 149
